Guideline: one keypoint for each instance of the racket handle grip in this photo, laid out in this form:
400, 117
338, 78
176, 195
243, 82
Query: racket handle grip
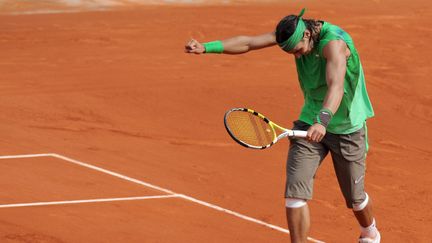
299, 133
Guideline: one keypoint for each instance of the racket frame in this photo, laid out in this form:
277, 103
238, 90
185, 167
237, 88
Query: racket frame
285, 132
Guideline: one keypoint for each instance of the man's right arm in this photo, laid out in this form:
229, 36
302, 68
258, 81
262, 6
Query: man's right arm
236, 45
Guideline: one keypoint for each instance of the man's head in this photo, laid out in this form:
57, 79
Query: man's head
293, 36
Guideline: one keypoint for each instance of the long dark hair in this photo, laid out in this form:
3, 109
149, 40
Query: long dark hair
287, 26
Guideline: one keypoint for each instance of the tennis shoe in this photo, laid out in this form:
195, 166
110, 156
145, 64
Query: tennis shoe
377, 239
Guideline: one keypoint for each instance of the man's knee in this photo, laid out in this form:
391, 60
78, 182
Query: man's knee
295, 202
360, 206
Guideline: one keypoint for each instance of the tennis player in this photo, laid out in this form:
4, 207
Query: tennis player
336, 107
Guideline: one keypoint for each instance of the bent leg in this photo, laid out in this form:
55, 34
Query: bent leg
349, 153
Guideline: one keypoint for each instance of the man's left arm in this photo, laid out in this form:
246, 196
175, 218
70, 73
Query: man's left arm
336, 53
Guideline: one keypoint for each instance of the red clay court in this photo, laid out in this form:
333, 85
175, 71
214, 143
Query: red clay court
111, 133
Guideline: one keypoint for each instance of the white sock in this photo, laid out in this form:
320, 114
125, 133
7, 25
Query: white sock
370, 231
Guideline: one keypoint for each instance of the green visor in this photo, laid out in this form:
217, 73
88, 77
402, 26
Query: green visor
296, 37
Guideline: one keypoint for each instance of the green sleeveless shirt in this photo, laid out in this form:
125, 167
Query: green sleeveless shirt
355, 106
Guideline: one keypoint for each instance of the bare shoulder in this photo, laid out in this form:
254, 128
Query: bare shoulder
336, 49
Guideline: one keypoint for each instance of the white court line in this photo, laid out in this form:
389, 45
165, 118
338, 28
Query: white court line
22, 156
90, 167
15, 205
112, 173
173, 194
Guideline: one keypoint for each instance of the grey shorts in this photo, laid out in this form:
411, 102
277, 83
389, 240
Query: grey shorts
348, 152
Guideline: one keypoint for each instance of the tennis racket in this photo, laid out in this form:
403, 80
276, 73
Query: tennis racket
253, 130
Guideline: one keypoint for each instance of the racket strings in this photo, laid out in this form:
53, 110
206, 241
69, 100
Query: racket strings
249, 128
